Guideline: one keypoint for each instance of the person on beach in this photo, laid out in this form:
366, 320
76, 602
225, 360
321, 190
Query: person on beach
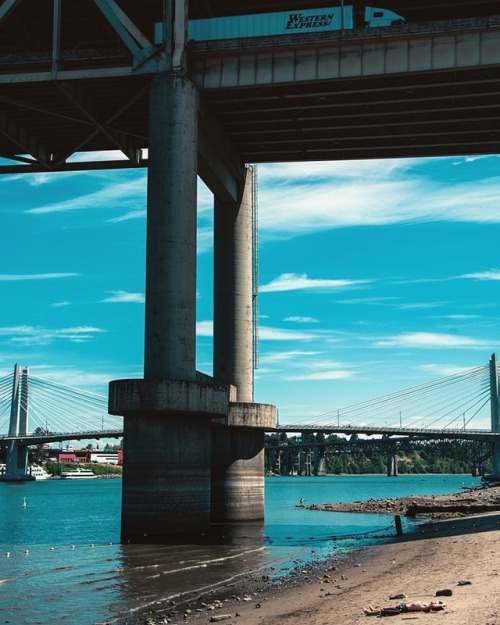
417, 606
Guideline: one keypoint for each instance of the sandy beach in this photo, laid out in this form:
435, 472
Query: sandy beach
460, 555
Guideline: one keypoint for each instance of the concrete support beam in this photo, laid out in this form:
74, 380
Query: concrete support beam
214, 173
400, 53
219, 164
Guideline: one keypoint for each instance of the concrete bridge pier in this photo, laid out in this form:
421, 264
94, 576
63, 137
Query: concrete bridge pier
319, 461
237, 480
167, 424
392, 465
181, 471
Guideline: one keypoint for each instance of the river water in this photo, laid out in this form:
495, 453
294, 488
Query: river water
61, 561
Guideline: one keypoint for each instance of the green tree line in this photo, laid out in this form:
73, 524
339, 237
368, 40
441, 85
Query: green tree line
415, 457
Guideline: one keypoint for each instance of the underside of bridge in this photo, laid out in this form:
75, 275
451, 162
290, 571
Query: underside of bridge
81, 78
86, 90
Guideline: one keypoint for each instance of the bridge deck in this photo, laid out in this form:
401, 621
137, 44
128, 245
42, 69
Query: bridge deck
407, 90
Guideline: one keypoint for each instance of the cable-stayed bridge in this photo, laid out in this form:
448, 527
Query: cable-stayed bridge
458, 406
34, 410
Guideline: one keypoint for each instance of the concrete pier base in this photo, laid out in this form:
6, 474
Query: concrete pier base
167, 451
238, 463
168, 466
17, 459
237, 490
237, 479
16, 468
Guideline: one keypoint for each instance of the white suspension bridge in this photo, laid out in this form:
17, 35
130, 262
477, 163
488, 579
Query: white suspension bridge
34, 410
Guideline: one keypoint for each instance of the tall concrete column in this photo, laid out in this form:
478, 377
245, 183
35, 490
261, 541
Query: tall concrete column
238, 447
170, 332
233, 293
167, 425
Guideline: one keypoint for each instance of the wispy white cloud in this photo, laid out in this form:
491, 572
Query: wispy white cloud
312, 368
37, 335
492, 274
305, 365
205, 328
6, 277
431, 340
334, 374
123, 297
442, 369
43, 178
72, 376
300, 282
278, 334
371, 301
292, 356
60, 304
420, 305
454, 317
205, 239
301, 198
133, 214
122, 194
298, 319
471, 159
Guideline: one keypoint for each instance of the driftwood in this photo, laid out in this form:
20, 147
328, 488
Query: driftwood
458, 508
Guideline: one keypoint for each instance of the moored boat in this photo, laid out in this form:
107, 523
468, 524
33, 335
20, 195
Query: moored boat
39, 473
78, 474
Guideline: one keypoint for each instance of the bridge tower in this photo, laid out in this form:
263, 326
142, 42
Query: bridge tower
16, 467
495, 414
193, 444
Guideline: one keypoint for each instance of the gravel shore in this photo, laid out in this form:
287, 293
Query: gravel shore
469, 501
454, 551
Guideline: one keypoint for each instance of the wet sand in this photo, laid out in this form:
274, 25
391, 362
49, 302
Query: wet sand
441, 555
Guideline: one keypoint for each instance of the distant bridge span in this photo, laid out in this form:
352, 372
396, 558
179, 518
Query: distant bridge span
41, 439
422, 433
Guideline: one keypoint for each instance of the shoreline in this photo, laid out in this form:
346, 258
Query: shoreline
445, 549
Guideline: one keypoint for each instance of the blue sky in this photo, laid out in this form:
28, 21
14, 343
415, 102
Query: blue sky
374, 276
